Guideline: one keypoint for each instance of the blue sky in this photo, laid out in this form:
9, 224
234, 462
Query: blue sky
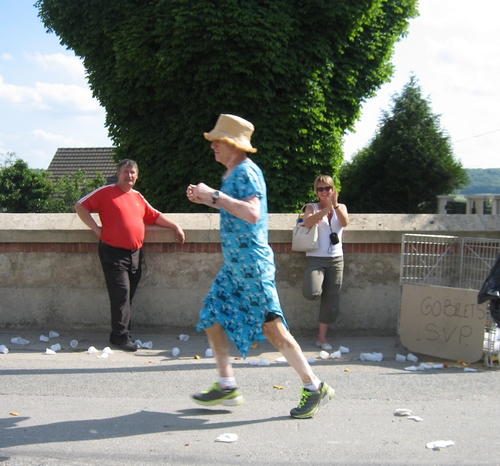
453, 48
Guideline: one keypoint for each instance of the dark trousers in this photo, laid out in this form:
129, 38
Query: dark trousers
122, 270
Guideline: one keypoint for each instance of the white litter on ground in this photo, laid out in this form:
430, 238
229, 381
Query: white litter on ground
402, 412
227, 438
438, 444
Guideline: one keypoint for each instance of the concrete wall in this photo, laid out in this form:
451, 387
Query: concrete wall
50, 276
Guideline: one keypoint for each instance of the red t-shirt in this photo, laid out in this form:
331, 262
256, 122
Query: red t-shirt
123, 215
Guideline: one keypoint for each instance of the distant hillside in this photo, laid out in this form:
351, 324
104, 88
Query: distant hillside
483, 181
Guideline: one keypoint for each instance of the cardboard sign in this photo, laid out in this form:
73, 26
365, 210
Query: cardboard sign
443, 322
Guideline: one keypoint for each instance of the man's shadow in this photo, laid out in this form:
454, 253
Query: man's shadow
140, 423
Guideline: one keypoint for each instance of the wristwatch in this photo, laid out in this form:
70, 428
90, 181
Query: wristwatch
215, 196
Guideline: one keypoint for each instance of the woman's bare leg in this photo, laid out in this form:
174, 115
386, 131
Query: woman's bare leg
285, 343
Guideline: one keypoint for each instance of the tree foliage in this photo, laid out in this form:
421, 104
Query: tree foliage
165, 69
407, 164
22, 189
25, 190
67, 189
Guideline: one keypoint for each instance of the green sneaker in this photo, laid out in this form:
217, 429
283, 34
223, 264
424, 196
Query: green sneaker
216, 396
310, 401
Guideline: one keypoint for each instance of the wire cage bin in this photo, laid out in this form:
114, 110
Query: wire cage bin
455, 262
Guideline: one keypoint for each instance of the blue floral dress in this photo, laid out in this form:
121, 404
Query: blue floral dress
244, 290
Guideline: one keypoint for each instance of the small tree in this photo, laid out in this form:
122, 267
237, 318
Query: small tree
67, 189
407, 164
22, 189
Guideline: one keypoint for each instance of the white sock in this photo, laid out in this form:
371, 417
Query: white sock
313, 386
226, 383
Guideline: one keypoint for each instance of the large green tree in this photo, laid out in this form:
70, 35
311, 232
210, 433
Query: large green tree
165, 69
407, 164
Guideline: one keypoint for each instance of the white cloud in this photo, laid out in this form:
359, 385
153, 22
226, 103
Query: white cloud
47, 96
59, 139
7, 57
57, 62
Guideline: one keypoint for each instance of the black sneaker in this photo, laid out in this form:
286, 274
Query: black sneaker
127, 345
310, 401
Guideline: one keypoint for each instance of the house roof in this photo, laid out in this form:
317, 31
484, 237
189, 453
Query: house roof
89, 159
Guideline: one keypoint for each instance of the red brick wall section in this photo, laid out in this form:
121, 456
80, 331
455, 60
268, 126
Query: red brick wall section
279, 248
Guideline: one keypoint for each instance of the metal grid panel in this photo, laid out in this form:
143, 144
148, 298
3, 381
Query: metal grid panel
453, 262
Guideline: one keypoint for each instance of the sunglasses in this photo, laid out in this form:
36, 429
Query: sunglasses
326, 188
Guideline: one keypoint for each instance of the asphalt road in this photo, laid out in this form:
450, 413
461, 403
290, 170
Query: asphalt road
76, 408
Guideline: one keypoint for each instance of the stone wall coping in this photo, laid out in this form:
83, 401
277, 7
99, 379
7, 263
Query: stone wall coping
204, 228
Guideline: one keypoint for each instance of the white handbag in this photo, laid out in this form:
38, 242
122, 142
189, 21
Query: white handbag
304, 239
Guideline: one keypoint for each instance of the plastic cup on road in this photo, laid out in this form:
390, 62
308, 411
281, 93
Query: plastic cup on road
4, 349
400, 357
19, 341
411, 357
175, 351
55, 347
73, 344
53, 334
44, 338
209, 353
147, 344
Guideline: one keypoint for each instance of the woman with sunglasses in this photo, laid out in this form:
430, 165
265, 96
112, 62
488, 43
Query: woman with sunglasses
325, 266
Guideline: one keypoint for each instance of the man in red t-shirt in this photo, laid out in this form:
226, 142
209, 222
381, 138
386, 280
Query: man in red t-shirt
123, 212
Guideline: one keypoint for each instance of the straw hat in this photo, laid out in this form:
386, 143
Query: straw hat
233, 130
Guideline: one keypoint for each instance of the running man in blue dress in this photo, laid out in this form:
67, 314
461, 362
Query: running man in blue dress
243, 303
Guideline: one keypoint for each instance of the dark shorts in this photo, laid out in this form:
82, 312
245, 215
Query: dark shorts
272, 316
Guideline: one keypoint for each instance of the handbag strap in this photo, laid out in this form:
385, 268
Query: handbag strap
300, 215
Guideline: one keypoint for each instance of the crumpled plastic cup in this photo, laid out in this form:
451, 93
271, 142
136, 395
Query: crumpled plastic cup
209, 353
4, 349
175, 351
49, 351
19, 341
183, 337
411, 357
324, 355
440, 444
103, 355
371, 357
55, 347
107, 350
227, 438
336, 354
92, 350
